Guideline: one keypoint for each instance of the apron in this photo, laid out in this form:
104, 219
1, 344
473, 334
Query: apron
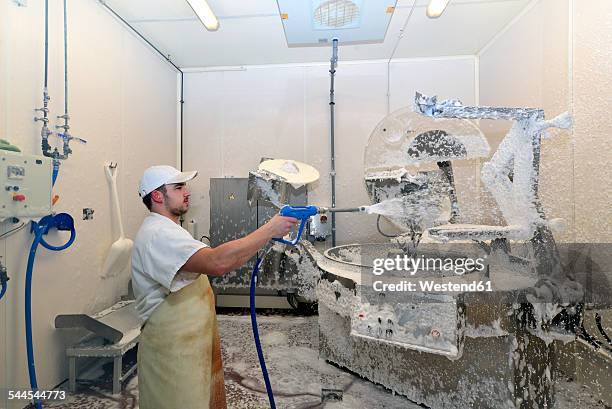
179, 353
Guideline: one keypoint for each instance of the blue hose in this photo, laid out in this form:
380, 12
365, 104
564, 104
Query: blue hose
262, 361
61, 221
56, 165
28, 316
299, 212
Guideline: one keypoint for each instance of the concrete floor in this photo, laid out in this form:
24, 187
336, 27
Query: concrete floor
298, 376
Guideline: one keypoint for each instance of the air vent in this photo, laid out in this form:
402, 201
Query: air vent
336, 14
316, 22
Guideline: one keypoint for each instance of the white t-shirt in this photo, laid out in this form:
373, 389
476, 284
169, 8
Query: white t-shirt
161, 247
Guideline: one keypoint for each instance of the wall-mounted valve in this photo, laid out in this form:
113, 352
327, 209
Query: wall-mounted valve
44, 109
65, 127
44, 131
66, 147
45, 112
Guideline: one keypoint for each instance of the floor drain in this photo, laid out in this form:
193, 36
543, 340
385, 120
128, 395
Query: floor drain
329, 395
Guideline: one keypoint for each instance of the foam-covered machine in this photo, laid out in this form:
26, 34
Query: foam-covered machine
428, 345
491, 346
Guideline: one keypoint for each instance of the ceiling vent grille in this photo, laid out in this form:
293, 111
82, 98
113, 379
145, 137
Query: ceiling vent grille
336, 14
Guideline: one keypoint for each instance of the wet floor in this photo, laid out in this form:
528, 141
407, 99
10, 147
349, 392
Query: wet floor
297, 374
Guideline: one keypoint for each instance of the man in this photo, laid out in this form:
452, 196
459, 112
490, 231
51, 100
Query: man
179, 354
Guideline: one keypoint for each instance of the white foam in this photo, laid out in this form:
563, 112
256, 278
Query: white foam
290, 167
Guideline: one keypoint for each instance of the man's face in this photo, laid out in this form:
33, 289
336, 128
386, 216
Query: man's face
176, 198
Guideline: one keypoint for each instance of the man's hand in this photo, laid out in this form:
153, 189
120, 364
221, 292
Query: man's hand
279, 226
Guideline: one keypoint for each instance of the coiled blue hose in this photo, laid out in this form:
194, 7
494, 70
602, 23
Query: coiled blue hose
262, 361
61, 221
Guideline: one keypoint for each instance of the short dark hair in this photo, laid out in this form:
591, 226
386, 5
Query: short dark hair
147, 199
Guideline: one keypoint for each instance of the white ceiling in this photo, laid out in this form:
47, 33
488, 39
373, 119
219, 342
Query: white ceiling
251, 32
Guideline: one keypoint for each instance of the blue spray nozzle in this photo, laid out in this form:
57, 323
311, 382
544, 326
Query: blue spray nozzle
64, 222
302, 213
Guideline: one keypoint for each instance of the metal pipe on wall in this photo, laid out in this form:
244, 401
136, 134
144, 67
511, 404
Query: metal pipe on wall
332, 173
65, 117
66, 62
65, 135
182, 101
45, 132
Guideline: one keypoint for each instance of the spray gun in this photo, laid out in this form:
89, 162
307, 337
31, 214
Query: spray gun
266, 187
303, 213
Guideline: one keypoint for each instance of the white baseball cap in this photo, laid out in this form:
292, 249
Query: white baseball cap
157, 176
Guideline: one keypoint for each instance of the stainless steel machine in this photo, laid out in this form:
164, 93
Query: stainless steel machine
490, 347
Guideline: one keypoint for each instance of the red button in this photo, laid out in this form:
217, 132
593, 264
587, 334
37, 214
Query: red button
19, 198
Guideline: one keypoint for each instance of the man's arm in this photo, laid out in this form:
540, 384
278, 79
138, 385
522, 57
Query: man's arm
233, 254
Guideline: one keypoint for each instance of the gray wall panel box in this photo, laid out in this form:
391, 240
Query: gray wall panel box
26, 184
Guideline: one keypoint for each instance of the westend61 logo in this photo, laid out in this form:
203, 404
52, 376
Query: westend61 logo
458, 266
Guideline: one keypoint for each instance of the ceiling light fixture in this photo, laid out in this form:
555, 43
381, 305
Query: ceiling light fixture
436, 8
205, 14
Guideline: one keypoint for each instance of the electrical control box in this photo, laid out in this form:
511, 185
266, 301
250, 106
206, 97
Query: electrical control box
25, 184
419, 321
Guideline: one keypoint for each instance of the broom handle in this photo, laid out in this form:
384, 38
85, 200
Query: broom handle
111, 171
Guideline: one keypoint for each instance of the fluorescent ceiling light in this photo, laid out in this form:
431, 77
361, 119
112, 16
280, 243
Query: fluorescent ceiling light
436, 8
205, 14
